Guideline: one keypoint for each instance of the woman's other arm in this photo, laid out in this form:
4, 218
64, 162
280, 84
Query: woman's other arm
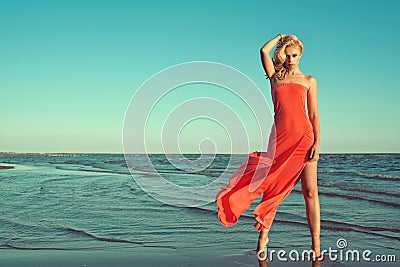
313, 115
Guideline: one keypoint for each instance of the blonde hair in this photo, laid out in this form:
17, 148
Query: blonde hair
280, 55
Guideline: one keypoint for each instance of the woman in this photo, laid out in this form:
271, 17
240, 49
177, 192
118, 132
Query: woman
295, 139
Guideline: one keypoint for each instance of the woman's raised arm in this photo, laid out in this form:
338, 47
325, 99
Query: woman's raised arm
266, 59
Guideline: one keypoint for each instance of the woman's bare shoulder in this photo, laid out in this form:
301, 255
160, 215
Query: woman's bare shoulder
307, 78
310, 78
311, 81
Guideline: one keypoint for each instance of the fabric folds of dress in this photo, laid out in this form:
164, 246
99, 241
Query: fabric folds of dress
273, 173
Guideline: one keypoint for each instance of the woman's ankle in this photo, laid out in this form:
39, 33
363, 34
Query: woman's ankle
316, 244
263, 239
316, 252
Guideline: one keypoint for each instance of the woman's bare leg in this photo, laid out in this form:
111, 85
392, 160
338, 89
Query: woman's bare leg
310, 193
262, 242
263, 239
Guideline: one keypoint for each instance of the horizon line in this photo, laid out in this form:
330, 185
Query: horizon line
160, 153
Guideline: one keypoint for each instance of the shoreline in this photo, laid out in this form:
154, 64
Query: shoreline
6, 167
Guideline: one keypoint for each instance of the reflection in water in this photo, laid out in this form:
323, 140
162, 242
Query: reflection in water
264, 263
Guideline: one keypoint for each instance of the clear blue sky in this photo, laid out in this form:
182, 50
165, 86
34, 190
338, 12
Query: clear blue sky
70, 68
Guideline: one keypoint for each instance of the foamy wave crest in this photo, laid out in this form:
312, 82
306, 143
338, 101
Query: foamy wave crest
379, 176
113, 240
352, 189
363, 174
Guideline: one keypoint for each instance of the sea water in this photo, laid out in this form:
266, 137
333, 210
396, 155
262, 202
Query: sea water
92, 201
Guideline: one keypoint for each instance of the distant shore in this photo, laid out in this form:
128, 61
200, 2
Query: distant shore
160, 153
6, 167
55, 153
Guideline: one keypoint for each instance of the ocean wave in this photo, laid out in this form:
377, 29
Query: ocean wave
105, 239
12, 223
391, 204
357, 189
378, 176
202, 210
8, 246
351, 197
119, 162
91, 170
113, 240
6, 167
370, 228
16, 166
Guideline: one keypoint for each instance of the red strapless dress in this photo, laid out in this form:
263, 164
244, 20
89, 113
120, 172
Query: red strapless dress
269, 173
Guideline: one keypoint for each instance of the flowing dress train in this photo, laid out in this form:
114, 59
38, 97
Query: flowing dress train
273, 173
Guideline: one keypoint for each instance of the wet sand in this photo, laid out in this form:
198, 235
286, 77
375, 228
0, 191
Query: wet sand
146, 257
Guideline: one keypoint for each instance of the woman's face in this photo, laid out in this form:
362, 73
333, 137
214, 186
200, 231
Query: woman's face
293, 54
